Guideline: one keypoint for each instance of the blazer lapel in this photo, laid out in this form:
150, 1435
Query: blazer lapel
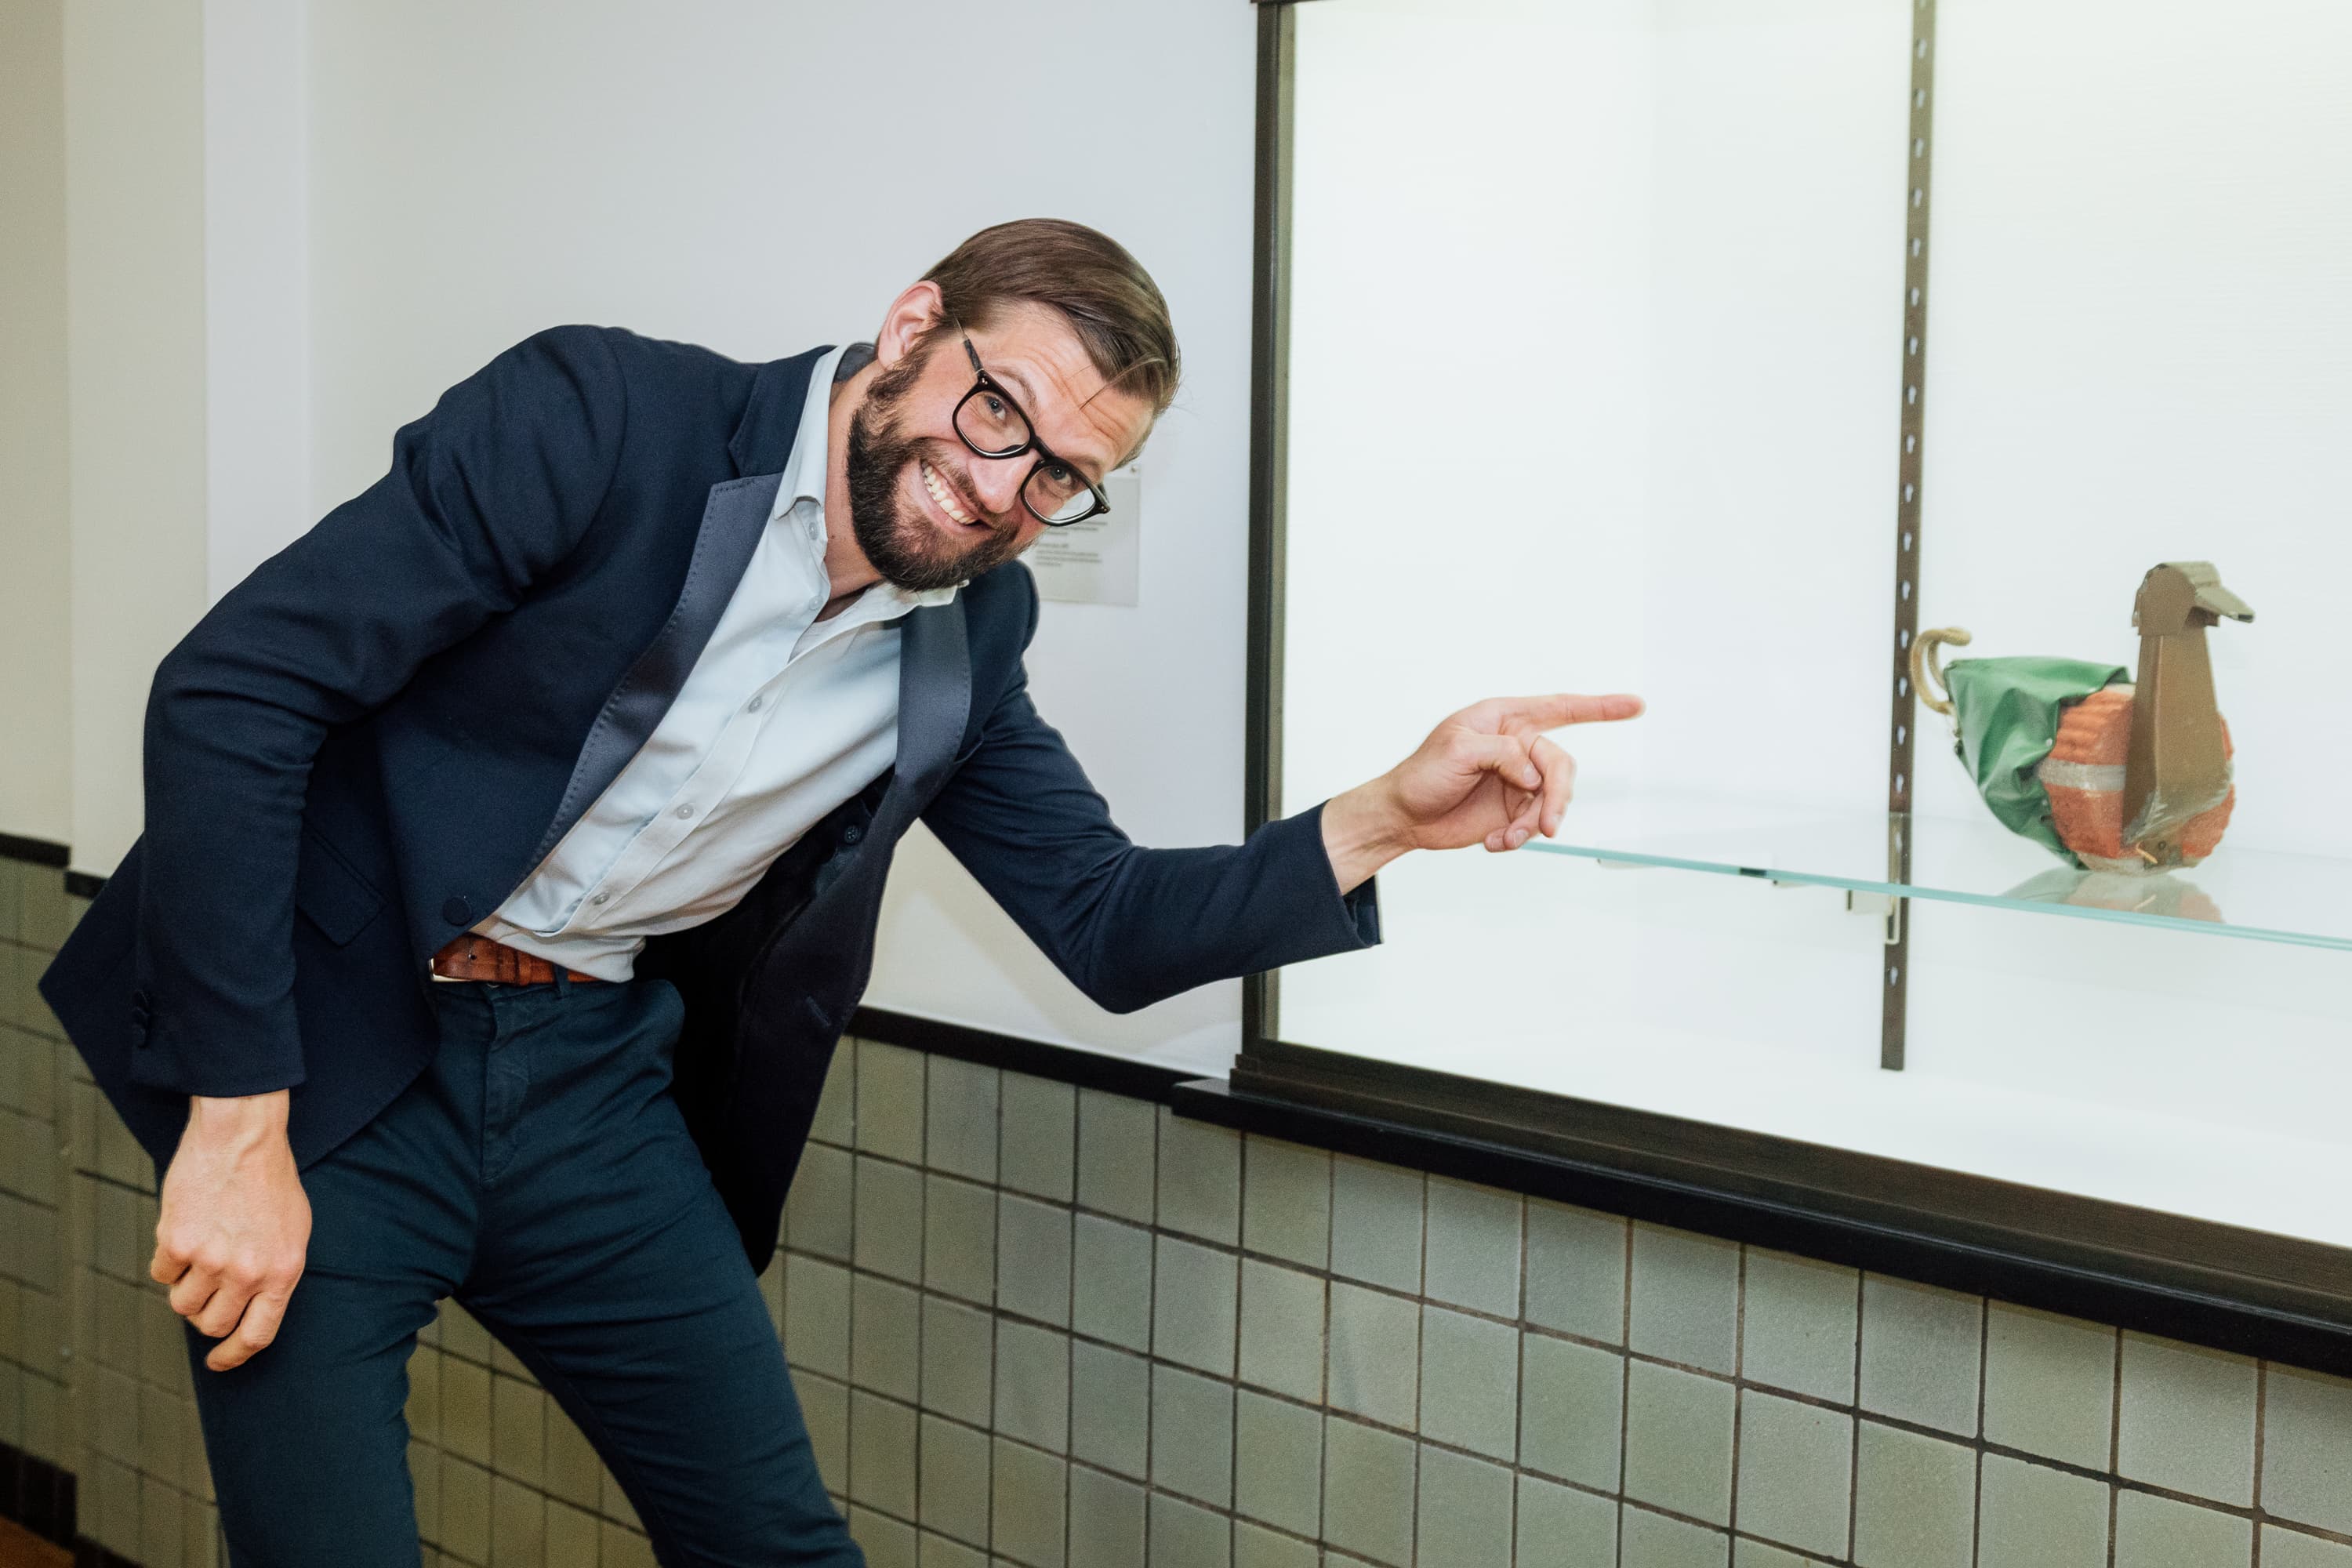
732, 520
934, 704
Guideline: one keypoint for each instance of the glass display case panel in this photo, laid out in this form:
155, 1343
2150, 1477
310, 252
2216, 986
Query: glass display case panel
1592, 318
1661, 245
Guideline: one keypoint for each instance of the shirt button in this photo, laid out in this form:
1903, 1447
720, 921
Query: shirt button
602, 899
684, 812
753, 706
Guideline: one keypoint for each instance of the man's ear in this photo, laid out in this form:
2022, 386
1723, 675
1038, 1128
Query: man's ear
917, 310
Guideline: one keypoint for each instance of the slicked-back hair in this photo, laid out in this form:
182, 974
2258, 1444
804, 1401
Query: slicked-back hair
1105, 294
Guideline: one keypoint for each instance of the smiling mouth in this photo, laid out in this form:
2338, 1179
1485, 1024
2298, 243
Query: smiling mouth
946, 498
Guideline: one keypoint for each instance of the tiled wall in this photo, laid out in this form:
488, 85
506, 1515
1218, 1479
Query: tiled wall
1055, 1328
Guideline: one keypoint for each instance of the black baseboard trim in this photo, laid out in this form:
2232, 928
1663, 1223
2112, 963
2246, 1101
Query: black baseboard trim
1063, 1064
39, 851
37, 1495
83, 885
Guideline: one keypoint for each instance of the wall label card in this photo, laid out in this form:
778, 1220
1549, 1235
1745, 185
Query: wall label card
1095, 561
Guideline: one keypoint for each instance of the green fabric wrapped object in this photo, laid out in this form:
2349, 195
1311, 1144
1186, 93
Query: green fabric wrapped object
2007, 712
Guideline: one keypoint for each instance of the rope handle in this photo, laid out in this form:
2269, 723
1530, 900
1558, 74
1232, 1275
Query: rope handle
1928, 668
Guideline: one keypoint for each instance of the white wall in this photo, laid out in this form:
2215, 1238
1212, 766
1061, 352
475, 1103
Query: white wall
35, 725
136, 401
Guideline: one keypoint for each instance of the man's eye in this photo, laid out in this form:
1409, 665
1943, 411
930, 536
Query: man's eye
1062, 476
995, 407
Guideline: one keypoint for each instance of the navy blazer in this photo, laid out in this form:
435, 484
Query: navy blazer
365, 746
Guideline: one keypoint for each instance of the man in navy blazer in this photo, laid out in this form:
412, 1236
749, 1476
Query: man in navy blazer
514, 845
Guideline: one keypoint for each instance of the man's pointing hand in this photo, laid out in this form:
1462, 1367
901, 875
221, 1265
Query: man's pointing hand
1484, 775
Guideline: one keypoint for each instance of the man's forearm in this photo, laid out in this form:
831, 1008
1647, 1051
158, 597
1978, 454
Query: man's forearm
1363, 830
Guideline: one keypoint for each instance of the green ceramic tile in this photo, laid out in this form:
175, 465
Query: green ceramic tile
1193, 1436
2049, 1384
1029, 1517
1685, 1297
958, 1239
1029, 1522
960, 1119
824, 1407
2307, 1450
574, 1473
1375, 1356
1464, 1513
1183, 1536
1287, 1201
464, 1510
890, 1101
1747, 1553
1282, 1330
1560, 1527
1367, 1491
1279, 1462
1915, 1501
939, 1551
1796, 1473
2030, 1516
1472, 1255
1033, 1260
1376, 1223
817, 1209
465, 1410
886, 1541
2292, 1549
1258, 1548
2187, 1419
1921, 1352
1118, 1151
1678, 1441
45, 914
1199, 1179
890, 1217
1039, 1153
1112, 1282
885, 1338
816, 1315
882, 1454
1195, 1300
1469, 1383
1106, 1520
1111, 1408
1654, 1541
955, 1473
1797, 1325
959, 1359
2158, 1532
1572, 1410
518, 1431
1033, 1384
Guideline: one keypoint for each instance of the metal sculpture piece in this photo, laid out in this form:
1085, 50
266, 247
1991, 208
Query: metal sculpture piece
2127, 777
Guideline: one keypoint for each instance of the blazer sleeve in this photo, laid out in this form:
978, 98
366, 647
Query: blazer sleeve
485, 494
1131, 926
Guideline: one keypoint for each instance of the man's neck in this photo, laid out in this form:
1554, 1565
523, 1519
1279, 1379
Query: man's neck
847, 573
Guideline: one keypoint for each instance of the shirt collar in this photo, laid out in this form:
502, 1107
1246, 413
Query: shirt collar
805, 478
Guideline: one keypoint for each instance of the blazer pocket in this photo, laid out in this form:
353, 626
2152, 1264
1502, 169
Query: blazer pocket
331, 895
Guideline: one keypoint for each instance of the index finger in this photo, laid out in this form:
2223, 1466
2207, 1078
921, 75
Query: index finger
1569, 708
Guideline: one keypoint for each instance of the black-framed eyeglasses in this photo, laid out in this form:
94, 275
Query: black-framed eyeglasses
993, 425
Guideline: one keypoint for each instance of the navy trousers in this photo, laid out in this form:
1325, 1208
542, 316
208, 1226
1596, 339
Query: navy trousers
540, 1171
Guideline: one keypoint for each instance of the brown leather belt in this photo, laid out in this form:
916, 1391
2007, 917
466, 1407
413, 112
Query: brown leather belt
473, 957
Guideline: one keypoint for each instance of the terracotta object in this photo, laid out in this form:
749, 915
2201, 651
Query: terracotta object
2083, 775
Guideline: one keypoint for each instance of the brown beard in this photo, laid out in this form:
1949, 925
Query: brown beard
905, 547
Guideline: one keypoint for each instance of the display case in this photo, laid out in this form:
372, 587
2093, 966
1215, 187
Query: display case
1724, 351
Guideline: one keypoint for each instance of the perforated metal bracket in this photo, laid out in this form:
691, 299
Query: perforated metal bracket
1894, 1011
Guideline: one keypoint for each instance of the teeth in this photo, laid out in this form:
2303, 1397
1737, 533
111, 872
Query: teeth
940, 494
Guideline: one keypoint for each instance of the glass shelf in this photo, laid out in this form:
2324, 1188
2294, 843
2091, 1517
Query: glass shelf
2260, 895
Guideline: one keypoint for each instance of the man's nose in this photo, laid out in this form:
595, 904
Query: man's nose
998, 481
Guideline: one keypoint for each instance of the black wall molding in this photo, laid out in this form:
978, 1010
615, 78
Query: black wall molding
1063, 1064
83, 884
39, 851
